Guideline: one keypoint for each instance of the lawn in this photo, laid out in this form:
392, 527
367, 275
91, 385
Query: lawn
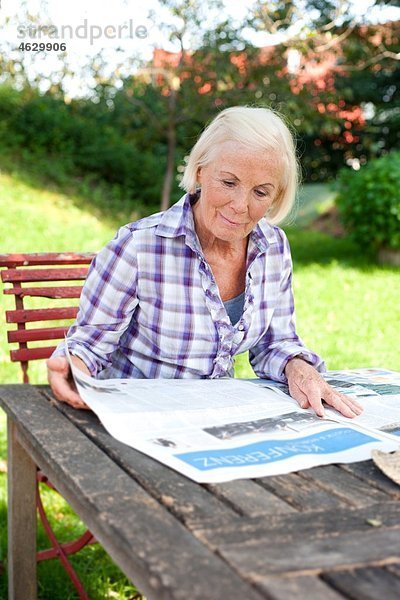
41, 219
347, 311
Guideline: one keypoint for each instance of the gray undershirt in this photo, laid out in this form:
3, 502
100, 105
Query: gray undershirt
234, 308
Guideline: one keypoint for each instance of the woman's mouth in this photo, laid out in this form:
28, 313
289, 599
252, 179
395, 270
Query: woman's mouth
231, 223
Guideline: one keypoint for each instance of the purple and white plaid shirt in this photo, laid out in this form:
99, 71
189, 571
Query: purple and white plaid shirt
150, 306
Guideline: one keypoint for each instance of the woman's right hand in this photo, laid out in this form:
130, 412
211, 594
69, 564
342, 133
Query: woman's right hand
61, 381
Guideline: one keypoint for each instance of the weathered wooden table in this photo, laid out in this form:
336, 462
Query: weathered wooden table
329, 532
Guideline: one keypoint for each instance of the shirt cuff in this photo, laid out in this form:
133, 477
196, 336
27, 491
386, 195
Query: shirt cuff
80, 352
306, 355
273, 365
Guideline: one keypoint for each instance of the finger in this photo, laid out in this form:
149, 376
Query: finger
355, 406
296, 393
346, 406
64, 392
311, 390
336, 399
62, 388
59, 364
353, 403
300, 397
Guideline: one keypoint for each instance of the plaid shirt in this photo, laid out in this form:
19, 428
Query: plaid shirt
150, 306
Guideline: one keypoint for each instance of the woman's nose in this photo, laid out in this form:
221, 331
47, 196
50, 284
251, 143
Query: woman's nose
240, 202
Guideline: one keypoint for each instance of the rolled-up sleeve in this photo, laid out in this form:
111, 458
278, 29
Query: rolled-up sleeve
281, 343
107, 304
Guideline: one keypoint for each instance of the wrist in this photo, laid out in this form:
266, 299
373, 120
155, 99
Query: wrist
293, 364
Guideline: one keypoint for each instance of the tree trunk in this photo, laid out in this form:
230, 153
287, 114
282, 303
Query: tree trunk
171, 145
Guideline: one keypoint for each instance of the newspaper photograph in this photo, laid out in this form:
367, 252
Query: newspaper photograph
223, 429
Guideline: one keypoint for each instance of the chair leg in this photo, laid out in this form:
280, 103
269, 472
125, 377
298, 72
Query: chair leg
61, 551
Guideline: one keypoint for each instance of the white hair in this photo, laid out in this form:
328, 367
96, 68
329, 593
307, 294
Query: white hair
258, 128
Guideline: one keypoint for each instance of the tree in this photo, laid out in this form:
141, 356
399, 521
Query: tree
346, 68
182, 80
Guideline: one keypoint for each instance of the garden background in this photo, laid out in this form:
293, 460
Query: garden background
75, 166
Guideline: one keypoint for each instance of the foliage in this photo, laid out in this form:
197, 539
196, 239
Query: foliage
369, 203
88, 141
344, 82
340, 95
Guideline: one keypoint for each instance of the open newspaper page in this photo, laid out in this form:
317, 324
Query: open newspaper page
377, 390
222, 429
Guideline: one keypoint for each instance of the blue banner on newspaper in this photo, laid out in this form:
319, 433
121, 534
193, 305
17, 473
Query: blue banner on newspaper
268, 451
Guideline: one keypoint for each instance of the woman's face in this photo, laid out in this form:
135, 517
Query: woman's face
237, 188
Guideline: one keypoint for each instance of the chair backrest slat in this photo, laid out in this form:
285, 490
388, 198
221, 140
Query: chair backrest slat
27, 275
40, 314
67, 291
45, 258
37, 334
27, 354
24, 268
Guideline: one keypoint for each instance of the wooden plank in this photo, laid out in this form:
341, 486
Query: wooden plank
302, 494
249, 498
307, 587
31, 335
45, 258
151, 546
66, 291
21, 520
41, 314
343, 484
370, 474
190, 502
292, 527
365, 584
313, 555
26, 354
62, 274
395, 569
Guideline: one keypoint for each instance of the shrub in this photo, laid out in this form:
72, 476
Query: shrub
369, 203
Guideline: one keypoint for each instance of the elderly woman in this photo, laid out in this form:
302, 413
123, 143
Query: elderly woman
180, 293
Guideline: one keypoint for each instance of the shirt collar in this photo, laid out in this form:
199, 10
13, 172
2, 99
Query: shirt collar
177, 220
263, 235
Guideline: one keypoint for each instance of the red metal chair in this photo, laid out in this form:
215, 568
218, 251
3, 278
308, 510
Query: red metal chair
43, 276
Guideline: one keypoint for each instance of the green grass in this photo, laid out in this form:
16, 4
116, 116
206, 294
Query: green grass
34, 219
347, 306
313, 200
347, 311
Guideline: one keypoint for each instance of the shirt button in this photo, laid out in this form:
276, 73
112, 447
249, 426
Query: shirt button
241, 327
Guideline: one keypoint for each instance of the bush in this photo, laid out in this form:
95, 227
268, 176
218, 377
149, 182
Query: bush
82, 140
369, 203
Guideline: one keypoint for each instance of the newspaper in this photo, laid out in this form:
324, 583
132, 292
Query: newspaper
377, 390
224, 429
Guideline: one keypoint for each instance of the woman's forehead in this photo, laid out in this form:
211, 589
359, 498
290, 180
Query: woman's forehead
235, 157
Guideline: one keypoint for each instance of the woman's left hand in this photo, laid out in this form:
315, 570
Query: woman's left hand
309, 389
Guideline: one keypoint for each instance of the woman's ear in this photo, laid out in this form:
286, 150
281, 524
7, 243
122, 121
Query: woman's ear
198, 176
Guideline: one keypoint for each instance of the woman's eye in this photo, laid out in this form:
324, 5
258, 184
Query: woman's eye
228, 183
262, 193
